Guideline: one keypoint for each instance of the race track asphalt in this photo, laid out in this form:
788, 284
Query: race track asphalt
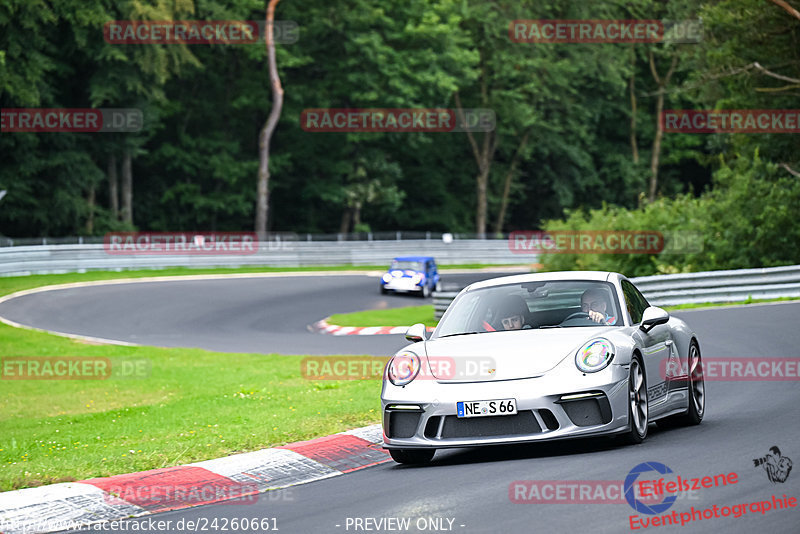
260, 315
468, 486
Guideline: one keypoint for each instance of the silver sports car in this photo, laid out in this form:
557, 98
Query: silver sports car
540, 357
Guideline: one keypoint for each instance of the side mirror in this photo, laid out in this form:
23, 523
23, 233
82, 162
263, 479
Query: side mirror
653, 316
417, 333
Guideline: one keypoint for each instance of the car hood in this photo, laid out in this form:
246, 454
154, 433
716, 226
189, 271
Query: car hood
505, 355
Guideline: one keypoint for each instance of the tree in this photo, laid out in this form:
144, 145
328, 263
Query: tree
548, 99
269, 126
662, 81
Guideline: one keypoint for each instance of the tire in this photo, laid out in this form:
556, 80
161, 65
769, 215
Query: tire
697, 393
638, 407
425, 292
384, 290
438, 287
412, 456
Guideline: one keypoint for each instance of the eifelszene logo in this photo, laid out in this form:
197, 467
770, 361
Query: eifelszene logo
636, 504
777, 467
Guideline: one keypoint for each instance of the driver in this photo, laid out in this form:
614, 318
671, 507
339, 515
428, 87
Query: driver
513, 313
595, 303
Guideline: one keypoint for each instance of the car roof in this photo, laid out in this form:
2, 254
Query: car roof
599, 276
413, 258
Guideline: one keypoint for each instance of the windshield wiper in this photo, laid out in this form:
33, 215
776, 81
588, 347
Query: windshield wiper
550, 326
461, 334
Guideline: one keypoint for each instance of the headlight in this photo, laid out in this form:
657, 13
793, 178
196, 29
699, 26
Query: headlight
594, 355
403, 368
387, 277
417, 278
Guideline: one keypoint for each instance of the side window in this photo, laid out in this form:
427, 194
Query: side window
635, 301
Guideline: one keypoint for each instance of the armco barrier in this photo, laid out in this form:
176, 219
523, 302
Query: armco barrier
720, 286
441, 300
687, 288
47, 259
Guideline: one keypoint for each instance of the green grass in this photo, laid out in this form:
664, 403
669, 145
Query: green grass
194, 405
392, 317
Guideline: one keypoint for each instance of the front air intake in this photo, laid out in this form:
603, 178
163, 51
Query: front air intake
403, 424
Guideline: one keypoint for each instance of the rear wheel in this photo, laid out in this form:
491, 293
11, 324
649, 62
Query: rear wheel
412, 456
638, 409
697, 393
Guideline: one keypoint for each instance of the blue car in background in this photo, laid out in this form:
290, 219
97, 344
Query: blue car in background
411, 274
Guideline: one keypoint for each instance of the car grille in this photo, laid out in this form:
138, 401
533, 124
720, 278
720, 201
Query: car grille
588, 412
497, 425
402, 424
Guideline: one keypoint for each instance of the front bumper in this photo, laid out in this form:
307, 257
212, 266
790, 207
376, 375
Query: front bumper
547, 409
402, 284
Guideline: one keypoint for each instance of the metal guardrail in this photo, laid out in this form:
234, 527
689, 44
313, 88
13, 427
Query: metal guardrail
720, 286
49, 259
271, 236
688, 288
441, 301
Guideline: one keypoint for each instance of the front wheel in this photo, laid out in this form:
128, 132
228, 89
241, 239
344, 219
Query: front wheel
412, 456
638, 410
425, 292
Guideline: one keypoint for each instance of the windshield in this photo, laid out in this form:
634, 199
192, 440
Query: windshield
407, 266
532, 305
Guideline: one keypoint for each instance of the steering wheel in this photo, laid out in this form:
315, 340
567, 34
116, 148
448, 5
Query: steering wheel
576, 315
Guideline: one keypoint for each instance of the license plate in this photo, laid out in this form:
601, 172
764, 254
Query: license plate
486, 408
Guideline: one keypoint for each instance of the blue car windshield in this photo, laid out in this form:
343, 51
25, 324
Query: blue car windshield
407, 266
532, 305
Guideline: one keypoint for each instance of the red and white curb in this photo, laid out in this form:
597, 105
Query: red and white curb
323, 327
241, 477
